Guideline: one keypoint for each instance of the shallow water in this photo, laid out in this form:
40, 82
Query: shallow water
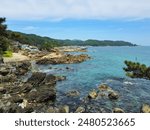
104, 67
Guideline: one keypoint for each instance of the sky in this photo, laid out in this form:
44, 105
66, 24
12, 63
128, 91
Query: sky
127, 20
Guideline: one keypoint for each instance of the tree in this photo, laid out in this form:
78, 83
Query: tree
4, 42
3, 27
137, 70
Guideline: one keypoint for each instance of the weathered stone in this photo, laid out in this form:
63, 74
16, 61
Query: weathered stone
118, 110
93, 94
36, 78
42, 95
2, 90
73, 93
80, 110
66, 59
4, 70
23, 68
60, 78
145, 108
64, 109
113, 95
8, 78
17, 99
27, 87
104, 87
52, 110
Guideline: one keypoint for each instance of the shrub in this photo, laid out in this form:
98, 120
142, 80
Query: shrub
8, 54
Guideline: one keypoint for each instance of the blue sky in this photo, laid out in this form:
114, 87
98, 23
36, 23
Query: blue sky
81, 19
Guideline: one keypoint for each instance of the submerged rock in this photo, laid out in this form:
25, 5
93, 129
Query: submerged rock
145, 108
73, 93
60, 78
104, 87
113, 95
93, 94
118, 110
80, 110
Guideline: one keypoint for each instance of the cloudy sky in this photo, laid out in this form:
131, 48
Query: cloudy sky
80, 19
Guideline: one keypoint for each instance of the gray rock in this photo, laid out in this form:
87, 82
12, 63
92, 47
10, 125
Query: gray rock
80, 110
73, 93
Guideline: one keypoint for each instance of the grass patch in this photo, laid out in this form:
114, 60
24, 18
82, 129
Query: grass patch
8, 54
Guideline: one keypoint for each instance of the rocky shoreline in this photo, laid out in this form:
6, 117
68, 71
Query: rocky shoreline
38, 93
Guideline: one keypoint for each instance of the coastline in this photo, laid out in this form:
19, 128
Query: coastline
38, 93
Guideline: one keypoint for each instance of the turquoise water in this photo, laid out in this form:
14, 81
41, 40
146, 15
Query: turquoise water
105, 67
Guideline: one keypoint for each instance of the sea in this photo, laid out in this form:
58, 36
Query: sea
104, 67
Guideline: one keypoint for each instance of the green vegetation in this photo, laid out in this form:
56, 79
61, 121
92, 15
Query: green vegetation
95, 43
137, 70
47, 43
4, 41
7, 54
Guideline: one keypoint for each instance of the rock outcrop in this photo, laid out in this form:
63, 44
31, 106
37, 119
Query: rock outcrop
66, 59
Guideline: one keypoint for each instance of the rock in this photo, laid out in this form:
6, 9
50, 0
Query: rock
73, 93
118, 110
42, 95
23, 68
104, 87
67, 68
93, 94
28, 109
2, 90
17, 99
8, 78
36, 78
66, 59
80, 110
1, 60
145, 108
113, 95
53, 110
4, 71
60, 78
64, 109
27, 87
50, 80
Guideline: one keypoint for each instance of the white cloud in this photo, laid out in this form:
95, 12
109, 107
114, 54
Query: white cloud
75, 9
29, 28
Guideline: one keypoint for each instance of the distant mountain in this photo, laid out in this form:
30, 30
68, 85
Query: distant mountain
46, 42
